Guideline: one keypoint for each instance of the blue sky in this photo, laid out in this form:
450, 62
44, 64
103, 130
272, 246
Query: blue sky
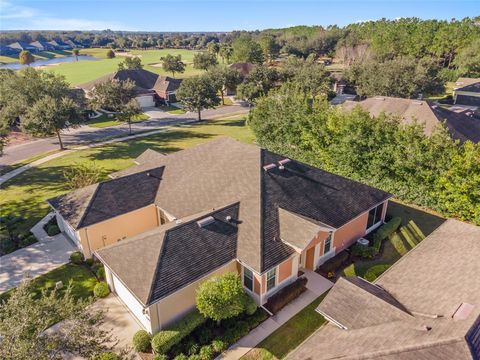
219, 15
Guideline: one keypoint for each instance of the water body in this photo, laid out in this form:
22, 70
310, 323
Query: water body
60, 60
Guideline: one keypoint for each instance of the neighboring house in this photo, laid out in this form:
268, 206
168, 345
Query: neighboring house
21, 46
460, 126
59, 45
6, 50
73, 44
219, 207
42, 46
426, 306
150, 87
467, 92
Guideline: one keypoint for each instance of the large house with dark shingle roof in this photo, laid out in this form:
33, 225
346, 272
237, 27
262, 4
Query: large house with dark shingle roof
150, 87
425, 307
165, 225
459, 125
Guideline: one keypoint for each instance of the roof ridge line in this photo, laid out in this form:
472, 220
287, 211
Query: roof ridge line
87, 209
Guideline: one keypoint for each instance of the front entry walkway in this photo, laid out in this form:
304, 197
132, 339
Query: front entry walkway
49, 253
316, 286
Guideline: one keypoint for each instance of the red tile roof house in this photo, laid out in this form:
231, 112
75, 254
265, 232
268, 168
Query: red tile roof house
150, 87
165, 225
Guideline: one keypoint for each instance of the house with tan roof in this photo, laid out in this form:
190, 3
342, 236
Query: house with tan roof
426, 306
467, 92
150, 88
165, 225
460, 126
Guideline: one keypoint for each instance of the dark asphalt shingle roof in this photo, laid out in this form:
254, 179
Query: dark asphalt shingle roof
225, 171
106, 200
174, 255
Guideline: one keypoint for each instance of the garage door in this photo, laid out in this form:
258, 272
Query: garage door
145, 101
132, 304
68, 230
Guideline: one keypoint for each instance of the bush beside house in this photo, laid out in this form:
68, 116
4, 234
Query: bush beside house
101, 290
384, 231
77, 257
287, 294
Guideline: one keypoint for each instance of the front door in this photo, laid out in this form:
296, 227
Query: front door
310, 257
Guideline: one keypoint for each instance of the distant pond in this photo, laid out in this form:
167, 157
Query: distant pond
60, 60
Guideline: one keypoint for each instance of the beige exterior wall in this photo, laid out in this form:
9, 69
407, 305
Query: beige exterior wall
176, 305
118, 228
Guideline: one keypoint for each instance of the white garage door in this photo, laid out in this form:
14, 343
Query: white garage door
133, 305
145, 101
68, 230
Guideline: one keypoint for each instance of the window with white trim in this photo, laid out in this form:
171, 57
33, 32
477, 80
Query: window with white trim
327, 244
271, 279
248, 278
375, 216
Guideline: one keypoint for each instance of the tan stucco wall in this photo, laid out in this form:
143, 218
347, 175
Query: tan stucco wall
350, 232
118, 228
320, 238
181, 302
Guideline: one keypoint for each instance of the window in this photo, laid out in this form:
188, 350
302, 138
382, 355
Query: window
248, 278
328, 244
271, 276
375, 216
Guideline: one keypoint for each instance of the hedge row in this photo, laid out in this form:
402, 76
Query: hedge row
384, 231
285, 295
164, 340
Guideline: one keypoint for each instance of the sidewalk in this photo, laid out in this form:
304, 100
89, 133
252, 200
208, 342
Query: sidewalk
316, 286
18, 171
49, 253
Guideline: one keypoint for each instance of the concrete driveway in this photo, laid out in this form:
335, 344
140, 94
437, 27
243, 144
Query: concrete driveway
34, 260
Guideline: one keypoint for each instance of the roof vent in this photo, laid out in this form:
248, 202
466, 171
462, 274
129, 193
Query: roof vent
379, 98
281, 163
269, 167
463, 311
206, 221
228, 218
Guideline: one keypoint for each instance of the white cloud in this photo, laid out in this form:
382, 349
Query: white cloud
34, 19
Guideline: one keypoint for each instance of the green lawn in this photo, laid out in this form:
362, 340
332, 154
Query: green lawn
416, 224
25, 194
172, 109
289, 335
79, 72
83, 281
104, 121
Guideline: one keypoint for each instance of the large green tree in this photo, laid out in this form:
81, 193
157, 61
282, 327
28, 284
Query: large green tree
112, 95
131, 63
224, 78
309, 76
173, 64
51, 115
198, 93
25, 58
468, 60
403, 77
246, 49
204, 60
25, 323
226, 52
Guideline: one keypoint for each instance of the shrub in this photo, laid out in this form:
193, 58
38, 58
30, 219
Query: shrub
333, 264
375, 271
141, 341
101, 290
106, 356
100, 273
250, 305
206, 352
27, 239
205, 335
180, 357
290, 292
164, 340
218, 345
77, 257
387, 229
193, 348
89, 262
53, 230
194, 357
160, 357
81, 175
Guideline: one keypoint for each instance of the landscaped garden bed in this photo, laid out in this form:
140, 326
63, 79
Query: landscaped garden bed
286, 295
51, 227
12, 237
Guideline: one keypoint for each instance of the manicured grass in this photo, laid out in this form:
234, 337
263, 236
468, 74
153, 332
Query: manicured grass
79, 72
82, 278
416, 225
172, 109
289, 335
26, 194
104, 121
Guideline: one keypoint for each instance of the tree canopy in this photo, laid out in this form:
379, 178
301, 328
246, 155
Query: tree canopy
198, 93
173, 64
25, 57
131, 63
204, 60
245, 49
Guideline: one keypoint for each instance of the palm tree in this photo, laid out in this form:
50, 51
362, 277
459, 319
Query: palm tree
76, 52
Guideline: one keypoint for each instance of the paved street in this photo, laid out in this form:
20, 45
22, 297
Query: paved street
13, 154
